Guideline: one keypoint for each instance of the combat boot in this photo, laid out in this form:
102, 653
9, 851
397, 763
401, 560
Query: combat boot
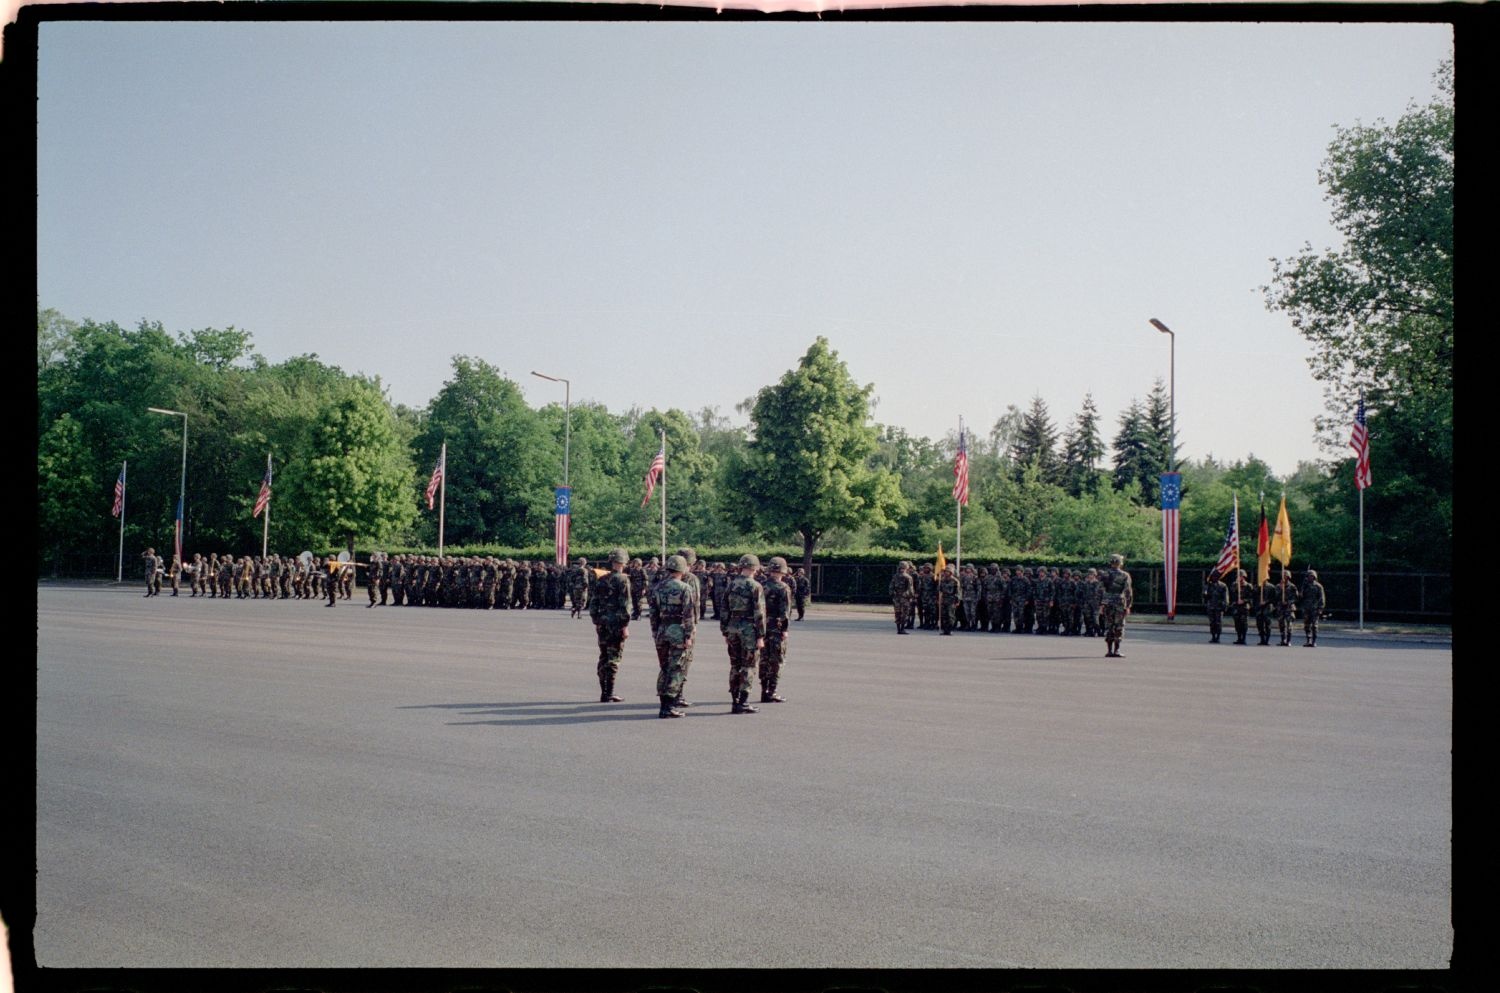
740, 706
768, 693
666, 708
678, 701
607, 690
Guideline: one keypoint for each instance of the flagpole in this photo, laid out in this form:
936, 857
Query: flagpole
958, 546
120, 562
442, 496
663, 498
265, 533
1361, 558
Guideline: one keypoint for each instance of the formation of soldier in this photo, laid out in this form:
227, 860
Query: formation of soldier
753, 606
483, 582
1002, 599
1279, 601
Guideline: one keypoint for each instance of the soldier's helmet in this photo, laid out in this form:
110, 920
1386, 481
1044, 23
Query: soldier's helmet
619, 555
749, 562
1117, 559
635, 561
676, 563
1093, 572
687, 553
584, 561
778, 564
1310, 574
903, 565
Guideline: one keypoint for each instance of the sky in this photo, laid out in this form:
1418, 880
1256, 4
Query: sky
668, 214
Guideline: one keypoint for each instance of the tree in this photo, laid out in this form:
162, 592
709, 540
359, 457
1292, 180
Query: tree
1082, 450
1036, 442
807, 468
1379, 313
1133, 460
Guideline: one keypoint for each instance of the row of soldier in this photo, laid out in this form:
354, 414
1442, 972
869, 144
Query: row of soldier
1280, 600
1019, 599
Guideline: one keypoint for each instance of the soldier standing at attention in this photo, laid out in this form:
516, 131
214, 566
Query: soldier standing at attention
1215, 602
1091, 601
372, 578
1286, 609
1020, 593
1118, 599
153, 569
1312, 599
674, 617
969, 588
609, 608
174, 574
948, 594
637, 576
926, 598
778, 614
1267, 597
903, 595
802, 589
578, 585
1241, 606
744, 628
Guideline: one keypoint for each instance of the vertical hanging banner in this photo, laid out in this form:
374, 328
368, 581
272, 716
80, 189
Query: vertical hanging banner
564, 509
1171, 506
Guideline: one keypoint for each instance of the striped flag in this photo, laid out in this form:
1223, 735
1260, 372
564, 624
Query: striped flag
177, 543
961, 470
1229, 555
658, 466
1171, 510
1359, 440
1263, 546
119, 506
564, 508
437, 476
264, 499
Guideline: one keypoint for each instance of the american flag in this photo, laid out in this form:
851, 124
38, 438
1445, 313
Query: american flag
1171, 508
658, 466
119, 506
1229, 556
961, 470
1359, 440
564, 507
437, 476
264, 498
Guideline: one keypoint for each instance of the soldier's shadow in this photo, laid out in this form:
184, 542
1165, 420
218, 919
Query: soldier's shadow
536, 713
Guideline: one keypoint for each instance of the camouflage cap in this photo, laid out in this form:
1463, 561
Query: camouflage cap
619, 555
749, 562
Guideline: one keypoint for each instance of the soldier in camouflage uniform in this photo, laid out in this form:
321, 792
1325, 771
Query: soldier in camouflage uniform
609, 608
1118, 599
779, 598
1020, 600
1286, 608
926, 598
744, 628
578, 586
520, 585
1312, 599
674, 617
969, 591
1239, 605
372, 579
1092, 598
802, 591
1067, 603
1267, 597
948, 595
1215, 602
637, 576
903, 596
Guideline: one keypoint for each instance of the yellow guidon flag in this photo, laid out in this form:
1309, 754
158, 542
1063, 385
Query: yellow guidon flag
1281, 538
942, 561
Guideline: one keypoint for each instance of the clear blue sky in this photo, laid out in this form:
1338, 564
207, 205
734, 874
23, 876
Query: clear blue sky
668, 214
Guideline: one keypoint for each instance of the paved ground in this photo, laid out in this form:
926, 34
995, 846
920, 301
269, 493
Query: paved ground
281, 784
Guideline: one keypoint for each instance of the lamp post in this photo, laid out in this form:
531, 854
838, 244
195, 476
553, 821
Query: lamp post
182, 490
567, 417
1172, 380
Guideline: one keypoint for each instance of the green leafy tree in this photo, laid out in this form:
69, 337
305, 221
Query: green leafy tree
1036, 442
1082, 451
807, 469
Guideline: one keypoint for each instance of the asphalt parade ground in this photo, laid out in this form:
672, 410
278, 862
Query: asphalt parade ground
280, 784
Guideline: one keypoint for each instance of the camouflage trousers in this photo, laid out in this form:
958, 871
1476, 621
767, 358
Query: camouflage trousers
903, 607
674, 660
1263, 626
740, 638
1284, 625
1091, 621
1215, 623
999, 615
611, 647
772, 657
1241, 623
1112, 618
971, 613
1310, 624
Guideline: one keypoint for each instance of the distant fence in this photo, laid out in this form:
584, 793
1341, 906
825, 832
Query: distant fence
1417, 597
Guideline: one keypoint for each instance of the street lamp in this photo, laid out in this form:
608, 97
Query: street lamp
182, 491
1172, 388
567, 417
